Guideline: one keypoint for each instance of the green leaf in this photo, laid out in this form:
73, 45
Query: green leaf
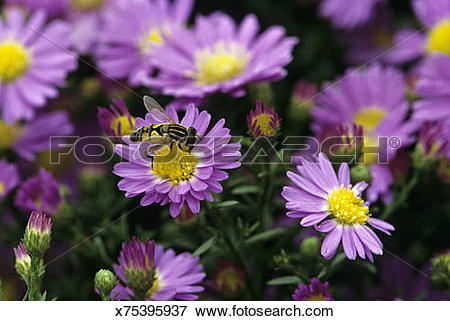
292, 279
264, 236
226, 204
246, 189
205, 246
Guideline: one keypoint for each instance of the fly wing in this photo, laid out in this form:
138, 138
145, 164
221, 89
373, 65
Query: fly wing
156, 110
151, 145
159, 140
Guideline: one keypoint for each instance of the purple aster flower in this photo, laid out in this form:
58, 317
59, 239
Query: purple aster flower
319, 196
32, 66
375, 100
316, 291
435, 14
39, 193
131, 30
263, 123
434, 85
117, 120
53, 8
43, 133
174, 175
174, 277
34, 137
379, 40
434, 140
349, 13
434, 82
220, 56
9, 178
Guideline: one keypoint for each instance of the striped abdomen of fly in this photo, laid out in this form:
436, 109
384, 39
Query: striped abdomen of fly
177, 133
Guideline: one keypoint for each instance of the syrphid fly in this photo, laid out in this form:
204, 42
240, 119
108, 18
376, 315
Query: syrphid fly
166, 133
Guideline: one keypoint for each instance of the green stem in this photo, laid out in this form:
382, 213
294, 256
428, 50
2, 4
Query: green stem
402, 197
234, 251
34, 290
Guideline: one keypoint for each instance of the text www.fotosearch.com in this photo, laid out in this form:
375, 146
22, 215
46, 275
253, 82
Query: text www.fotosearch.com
245, 311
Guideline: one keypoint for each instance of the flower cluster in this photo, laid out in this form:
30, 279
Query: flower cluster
208, 175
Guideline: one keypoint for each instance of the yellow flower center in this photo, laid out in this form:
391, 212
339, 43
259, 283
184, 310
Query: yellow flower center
155, 287
14, 61
439, 38
346, 207
319, 297
152, 38
369, 118
125, 127
87, 5
174, 164
38, 203
8, 135
219, 64
229, 279
2, 188
263, 120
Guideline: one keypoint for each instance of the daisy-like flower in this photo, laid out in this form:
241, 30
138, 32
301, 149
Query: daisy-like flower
117, 120
317, 195
36, 136
39, 193
173, 276
373, 99
434, 85
435, 14
9, 178
263, 123
219, 56
132, 30
434, 81
349, 13
174, 175
31, 65
379, 40
316, 291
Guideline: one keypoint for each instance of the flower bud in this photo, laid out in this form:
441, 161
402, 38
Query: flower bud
263, 123
310, 247
23, 261
138, 261
360, 173
37, 234
440, 271
229, 278
105, 281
